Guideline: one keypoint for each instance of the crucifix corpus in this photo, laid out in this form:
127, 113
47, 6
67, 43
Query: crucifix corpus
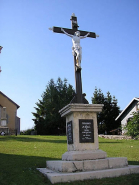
76, 35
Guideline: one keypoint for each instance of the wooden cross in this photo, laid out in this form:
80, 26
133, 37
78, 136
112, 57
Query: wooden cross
78, 97
0, 48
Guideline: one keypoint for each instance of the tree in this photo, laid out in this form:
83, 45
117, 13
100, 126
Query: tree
98, 98
55, 97
106, 118
132, 127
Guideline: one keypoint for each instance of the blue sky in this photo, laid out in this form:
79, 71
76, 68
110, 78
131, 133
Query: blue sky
32, 54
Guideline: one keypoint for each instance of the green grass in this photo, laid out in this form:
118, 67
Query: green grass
21, 155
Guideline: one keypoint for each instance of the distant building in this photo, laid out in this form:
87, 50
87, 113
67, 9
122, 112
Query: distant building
9, 122
133, 106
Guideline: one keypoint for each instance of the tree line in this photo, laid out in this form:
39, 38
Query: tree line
106, 118
58, 94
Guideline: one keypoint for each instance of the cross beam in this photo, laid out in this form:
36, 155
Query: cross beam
72, 31
78, 97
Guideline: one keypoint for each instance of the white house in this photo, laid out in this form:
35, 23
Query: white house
133, 106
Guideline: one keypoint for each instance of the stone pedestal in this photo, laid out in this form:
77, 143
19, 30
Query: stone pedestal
84, 133
83, 155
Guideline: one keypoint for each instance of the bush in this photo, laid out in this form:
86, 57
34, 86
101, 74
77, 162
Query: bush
132, 126
28, 132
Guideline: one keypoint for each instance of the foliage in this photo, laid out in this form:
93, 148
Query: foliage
21, 155
47, 118
28, 132
132, 127
106, 118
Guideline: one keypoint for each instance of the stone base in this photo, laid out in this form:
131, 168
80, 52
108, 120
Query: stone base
84, 155
56, 177
87, 165
84, 160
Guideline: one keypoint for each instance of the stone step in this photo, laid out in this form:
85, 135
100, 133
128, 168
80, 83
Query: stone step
84, 155
56, 177
87, 165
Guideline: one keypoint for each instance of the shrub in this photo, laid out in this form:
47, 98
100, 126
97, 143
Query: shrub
132, 126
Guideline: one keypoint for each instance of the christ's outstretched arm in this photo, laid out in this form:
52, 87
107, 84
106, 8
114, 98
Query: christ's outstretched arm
66, 33
82, 37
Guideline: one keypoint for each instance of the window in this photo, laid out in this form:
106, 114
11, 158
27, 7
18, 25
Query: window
3, 123
137, 106
7, 118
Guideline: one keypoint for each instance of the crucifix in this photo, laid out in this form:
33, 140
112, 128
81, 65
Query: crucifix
76, 35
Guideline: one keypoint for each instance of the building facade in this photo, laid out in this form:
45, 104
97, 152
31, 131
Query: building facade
9, 122
127, 113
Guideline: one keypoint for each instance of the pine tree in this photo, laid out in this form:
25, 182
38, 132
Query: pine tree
47, 118
106, 118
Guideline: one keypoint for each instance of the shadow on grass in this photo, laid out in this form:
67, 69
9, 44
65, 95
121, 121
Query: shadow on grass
19, 169
133, 162
110, 142
39, 139
31, 139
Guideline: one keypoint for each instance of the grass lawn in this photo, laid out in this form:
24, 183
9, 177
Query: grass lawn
21, 155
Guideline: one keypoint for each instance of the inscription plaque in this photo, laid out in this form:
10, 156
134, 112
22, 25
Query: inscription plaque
86, 131
69, 132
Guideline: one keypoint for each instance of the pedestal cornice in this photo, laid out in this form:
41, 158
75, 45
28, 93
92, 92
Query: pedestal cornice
77, 107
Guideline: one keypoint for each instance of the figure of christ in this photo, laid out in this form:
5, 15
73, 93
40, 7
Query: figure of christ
76, 48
